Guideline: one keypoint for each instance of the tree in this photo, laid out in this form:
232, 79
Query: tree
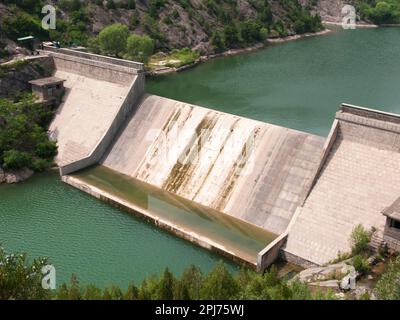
112, 39
139, 48
382, 13
20, 279
218, 41
14, 159
23, 24
166, 286
219, 284
250, 30
110, 5
190, 284
231, 34
359, 239
131, 293
94, 45
388, 286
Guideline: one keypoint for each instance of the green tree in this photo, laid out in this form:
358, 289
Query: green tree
190, 284
132, 293
383, 13
231, 34
218, 41
110, 5
166, 286
113, 38
23, 24
388, 286
46, 149
219, 284
92, 293
93, 45
250, 30
14, 159
360, 239
139, 48
21, 279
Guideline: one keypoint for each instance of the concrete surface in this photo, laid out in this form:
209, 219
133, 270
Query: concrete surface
88, 109
248, 169
360, 178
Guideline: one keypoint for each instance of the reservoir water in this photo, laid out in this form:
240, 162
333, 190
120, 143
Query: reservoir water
298, 84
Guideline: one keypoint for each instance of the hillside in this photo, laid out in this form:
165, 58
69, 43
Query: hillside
206, 26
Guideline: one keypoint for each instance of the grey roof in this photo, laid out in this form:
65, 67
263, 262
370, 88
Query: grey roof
46, 81
393, 211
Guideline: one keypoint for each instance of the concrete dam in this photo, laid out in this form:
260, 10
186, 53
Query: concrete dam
249, 190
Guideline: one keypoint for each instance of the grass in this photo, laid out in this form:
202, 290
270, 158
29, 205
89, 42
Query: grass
175, 59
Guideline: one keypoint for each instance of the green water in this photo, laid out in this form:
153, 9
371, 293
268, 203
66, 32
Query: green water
82, 235
244, 239
298, 84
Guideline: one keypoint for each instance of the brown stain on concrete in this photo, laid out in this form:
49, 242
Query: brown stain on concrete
236, 170
187, 161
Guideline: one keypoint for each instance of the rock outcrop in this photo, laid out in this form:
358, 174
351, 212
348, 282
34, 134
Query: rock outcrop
18, 176
319, 274
15, 75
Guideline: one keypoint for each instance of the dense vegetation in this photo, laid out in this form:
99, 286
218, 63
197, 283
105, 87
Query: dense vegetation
219, 24
380, 12
21, 279
23, 138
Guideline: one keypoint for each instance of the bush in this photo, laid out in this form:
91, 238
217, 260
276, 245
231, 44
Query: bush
46, 149
361, 264
139, 48
232, 36
383, 13
23, 138
23, 24
40, 165
21, 279
218, 41
388, 286
360, 239
14, 159
219, 284
110, 5
112, 39
93, 45
250, 31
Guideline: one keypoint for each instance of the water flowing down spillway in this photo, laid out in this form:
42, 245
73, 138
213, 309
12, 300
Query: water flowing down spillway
250, 170
238, 237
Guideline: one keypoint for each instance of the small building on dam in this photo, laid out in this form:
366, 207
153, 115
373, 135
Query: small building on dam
249, 190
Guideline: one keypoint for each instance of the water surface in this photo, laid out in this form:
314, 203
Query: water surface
298, 84
241, 238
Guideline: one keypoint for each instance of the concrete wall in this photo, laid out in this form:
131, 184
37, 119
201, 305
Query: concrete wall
391, 237
358, 180
95, 57
93, 69
251, 170
269, 255
131, 101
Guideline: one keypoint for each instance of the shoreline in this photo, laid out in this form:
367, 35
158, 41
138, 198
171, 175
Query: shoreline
235, 52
